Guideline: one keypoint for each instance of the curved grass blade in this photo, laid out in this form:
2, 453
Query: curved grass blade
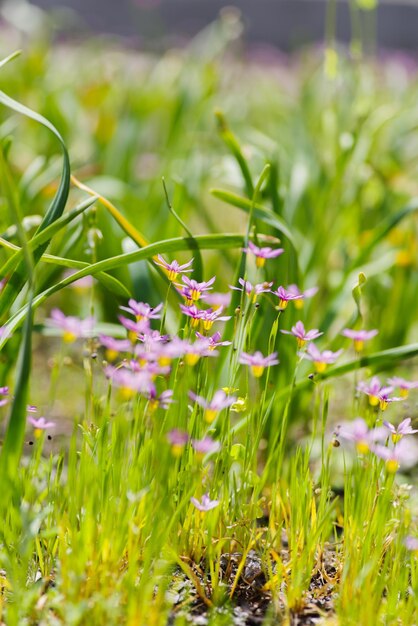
205, 242
198, 264
45, 235
15, 433
11, 57
260, 212
233, 145
16, 281
110, 282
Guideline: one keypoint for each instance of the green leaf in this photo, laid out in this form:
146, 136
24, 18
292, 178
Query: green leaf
259, 211
18, 278
233, 145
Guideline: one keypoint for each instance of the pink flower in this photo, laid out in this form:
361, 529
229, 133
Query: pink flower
206, 445
129, 382
403, 385
284, 297
142, 310
220, 401
214, 341
378, 395
404, 428
321, 359
114, 346
40, 423
401, 454
218, 299
359, 337
261, 254
252, 291
258, 362
4, 391
206, 503
302, 335
174, 268
72, 327
194, 290
363, 437
308, 293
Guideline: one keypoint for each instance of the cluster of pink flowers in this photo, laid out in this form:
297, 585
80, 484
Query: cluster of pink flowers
397, 450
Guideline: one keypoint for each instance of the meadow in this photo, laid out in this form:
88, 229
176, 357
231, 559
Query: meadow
208, 334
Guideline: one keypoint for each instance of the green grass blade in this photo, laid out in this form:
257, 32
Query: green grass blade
44, 235
55, 210
233, 145
260, 212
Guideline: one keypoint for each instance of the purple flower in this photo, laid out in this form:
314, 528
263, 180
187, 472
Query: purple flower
72, 327
404, 428
395, 457
252, 291
114, 346
129, 382
162, 401
261, 254
193, 351
302, 335
378, 395
403, 385
284, 297
178, 439
220, 401
214, 341
194, 289
359, 337
193, 312
134, 328
31, 408
411, 543
206, 445
363, 437
210, 316
142, 310
173, 269
258, 362
308, 293
40, 423
4, 391
218, 299
206, 503
321, 359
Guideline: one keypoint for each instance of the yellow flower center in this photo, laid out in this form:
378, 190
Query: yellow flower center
358, 345
194, 321
300, 342
298, 303
392, 466
37, 433
177, 449
207, 324
111, 355
362, 446
210, 415
191, 358
260, 261
68, 336
320, 366
257, 370
373, 400
195, 294
403, 392
126, 393
172, 275
383, 404
396, 437
164, 361
132, 336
